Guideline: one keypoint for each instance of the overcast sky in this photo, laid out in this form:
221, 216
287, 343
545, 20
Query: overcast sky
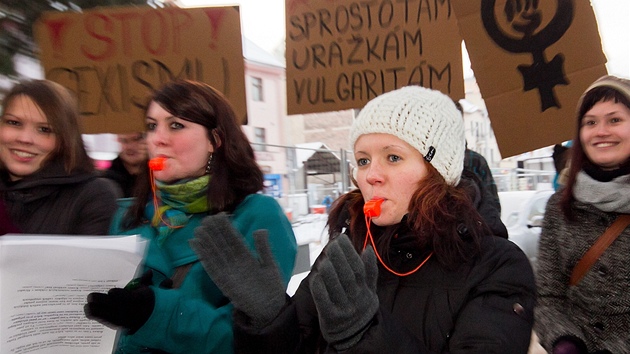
263, 23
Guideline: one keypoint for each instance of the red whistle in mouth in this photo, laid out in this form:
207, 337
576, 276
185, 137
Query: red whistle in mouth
372, 208
157, 163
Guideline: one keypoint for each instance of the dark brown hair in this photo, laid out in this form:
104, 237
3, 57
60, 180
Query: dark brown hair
235, 173
437, 214
62, 113
578, 157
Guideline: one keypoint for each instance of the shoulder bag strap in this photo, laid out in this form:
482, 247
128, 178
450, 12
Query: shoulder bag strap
596, 250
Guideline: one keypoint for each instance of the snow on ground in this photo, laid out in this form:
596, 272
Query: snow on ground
309, 230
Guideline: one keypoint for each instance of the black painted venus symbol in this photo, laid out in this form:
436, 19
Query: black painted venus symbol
525, 18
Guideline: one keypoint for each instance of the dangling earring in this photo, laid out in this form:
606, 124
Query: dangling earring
209, 165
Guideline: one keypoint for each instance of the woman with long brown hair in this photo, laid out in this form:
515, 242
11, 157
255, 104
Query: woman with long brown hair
47, 179
201, 165
410, 268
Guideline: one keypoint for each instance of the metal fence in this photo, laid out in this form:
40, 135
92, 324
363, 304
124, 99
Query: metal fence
311, 180
308, 179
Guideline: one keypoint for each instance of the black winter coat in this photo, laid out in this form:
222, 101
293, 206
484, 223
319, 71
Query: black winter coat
485, 202
52, 202
119, 174
484, 306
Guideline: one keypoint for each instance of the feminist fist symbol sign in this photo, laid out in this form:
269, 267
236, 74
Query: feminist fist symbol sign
525, 18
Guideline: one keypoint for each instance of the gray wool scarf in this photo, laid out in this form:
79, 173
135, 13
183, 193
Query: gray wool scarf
613, 196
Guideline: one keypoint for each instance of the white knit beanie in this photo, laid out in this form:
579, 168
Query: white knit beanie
426, 119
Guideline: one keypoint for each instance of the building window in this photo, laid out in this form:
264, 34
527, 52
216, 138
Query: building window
257, 89
259, 139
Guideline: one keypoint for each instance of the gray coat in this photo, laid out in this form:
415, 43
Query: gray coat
597, 309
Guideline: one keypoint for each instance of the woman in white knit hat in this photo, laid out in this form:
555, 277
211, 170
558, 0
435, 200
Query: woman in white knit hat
588, 311
412, 270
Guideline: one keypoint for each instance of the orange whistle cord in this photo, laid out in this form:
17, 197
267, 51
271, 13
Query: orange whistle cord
369, 237
156, 204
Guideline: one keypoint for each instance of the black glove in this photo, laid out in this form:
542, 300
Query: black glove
344, 290
129, 307
569, 345
253, 285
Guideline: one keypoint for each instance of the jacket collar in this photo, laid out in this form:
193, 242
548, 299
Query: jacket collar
41, 183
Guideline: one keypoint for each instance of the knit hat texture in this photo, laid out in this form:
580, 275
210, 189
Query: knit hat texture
425, 119
617, 83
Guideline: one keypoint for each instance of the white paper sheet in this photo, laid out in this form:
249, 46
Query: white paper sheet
44, 283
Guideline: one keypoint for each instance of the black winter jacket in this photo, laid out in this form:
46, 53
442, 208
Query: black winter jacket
52, 202
119, 174
484, 306
485, 202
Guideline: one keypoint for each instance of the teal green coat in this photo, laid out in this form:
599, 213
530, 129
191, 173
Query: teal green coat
197, 317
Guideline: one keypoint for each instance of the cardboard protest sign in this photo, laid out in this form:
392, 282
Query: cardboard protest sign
532, 61
112, 58
340, 54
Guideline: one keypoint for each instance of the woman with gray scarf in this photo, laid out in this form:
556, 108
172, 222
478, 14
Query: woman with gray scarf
592, 316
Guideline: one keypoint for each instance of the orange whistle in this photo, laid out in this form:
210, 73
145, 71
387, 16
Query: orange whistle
157, 163
372, 208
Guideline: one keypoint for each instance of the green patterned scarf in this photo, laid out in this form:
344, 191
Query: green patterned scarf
177, 201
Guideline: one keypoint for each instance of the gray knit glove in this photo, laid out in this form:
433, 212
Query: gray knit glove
344, 290
254, 285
